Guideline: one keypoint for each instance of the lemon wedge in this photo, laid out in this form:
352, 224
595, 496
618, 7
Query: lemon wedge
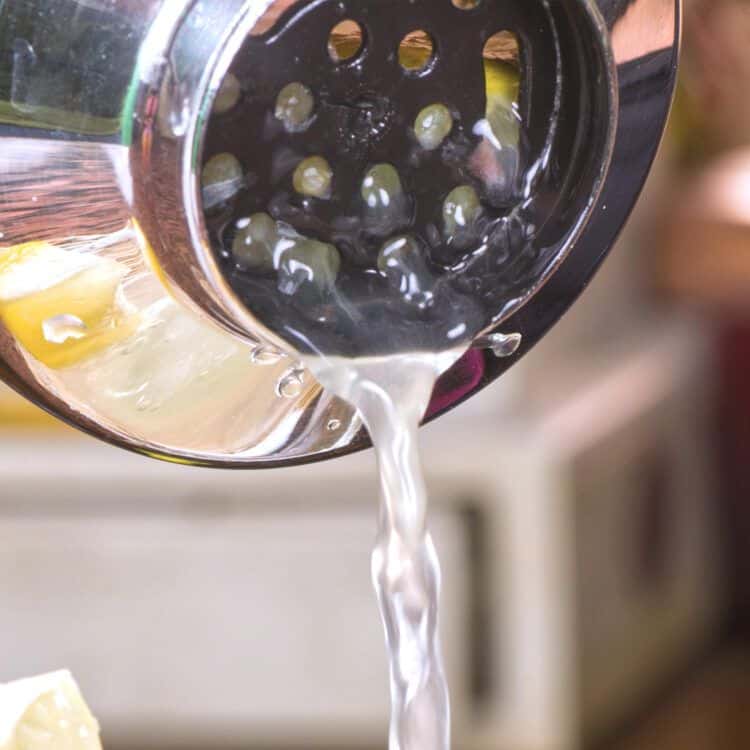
61, 305
46, 713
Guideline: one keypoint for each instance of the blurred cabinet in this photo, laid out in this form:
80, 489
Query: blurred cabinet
649, 572
213, 611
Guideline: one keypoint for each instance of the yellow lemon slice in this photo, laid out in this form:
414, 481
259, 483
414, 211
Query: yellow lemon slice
46, 713
61, 305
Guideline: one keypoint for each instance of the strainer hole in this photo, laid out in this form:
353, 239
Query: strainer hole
503, 47
345, 41
466, 4
502, 69
416, 51
501, 127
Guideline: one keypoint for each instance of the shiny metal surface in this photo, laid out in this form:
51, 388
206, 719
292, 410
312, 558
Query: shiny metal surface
101, 106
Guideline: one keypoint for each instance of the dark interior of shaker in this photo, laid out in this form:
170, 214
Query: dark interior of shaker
346, 218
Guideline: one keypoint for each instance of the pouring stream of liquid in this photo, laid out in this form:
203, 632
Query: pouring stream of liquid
392, 395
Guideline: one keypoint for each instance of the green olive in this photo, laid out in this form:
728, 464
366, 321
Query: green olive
460, 210
294, 106
313, 177
254, 243
228, 94
308, 263
222, 178
432, 126
381, 187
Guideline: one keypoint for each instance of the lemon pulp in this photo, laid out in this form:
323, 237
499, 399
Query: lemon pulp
46, 713
43, 286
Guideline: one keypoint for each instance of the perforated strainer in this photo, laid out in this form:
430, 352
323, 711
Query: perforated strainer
235, 182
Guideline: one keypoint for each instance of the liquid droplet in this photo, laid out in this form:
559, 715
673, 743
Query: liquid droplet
403, 261
308, 265
291, 383
460, 210
62, 328
144, 403
265, 355
381, 187
501, 344
313, 177
254, 243
295, 106
333, 425
433, 125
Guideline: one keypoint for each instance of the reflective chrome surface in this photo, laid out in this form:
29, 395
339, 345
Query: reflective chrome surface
97, 103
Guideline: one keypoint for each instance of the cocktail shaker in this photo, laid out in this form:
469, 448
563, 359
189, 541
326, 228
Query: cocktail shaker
122, 311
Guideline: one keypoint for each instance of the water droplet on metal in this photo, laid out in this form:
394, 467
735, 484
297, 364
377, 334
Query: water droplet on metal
61, 328
263, 354
291, 383
501, 344
143, 404
333, 425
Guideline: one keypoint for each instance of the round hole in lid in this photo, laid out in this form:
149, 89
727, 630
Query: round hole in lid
503, 47
345, 41
416, 51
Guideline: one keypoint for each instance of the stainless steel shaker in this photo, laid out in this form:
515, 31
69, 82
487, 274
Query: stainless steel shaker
115, 314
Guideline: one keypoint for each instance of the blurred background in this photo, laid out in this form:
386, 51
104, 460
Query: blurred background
590, 511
